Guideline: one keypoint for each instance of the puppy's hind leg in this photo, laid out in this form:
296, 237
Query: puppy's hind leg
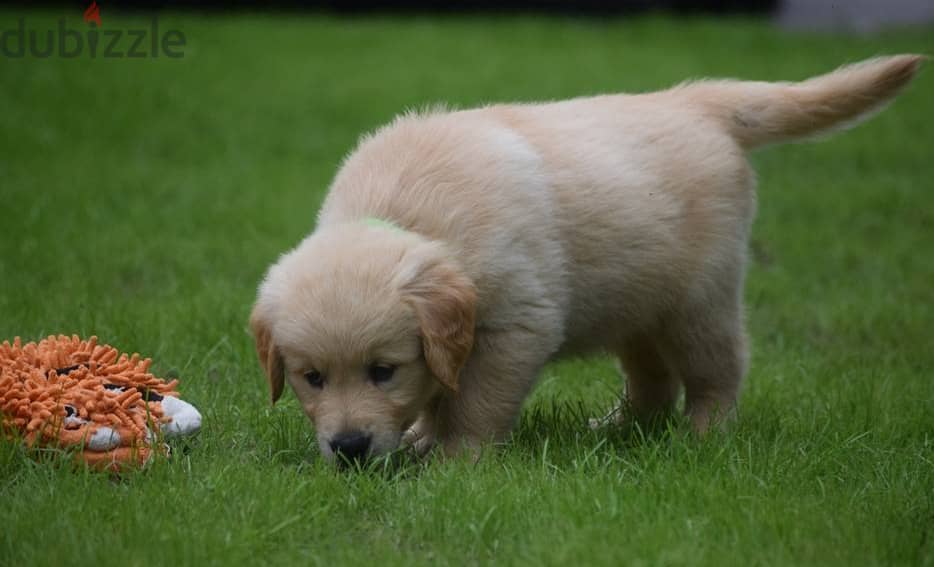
707, 349
651, 387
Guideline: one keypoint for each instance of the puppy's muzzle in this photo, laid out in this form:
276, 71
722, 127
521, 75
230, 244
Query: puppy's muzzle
351, 445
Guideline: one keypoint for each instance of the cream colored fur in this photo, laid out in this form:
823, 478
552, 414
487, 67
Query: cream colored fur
613, 223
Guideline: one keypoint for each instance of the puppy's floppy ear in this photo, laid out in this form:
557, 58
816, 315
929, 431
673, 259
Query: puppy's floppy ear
444, 300
269, 357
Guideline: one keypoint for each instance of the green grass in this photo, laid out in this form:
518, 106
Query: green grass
143, 199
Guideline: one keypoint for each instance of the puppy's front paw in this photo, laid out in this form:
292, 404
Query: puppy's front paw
466, 447
420, 437
616, 416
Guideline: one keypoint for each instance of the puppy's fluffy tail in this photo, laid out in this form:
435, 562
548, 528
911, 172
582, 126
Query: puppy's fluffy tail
759, 113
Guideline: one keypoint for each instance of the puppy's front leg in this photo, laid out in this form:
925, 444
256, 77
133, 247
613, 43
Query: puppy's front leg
492, 387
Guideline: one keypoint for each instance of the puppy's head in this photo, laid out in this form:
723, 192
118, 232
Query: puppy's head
368, 325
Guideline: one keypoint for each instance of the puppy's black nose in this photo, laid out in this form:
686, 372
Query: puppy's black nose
352, 445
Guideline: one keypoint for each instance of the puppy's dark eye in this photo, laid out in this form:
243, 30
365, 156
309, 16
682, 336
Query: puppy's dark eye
315, 378
381, 372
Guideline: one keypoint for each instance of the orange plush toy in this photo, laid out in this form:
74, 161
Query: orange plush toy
70, 393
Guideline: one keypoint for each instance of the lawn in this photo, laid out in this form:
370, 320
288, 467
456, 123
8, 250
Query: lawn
142, 200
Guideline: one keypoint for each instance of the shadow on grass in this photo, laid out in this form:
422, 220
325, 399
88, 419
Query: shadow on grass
559, 433
564, 433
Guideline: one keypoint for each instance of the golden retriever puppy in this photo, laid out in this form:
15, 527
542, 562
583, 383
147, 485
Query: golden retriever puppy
458, 252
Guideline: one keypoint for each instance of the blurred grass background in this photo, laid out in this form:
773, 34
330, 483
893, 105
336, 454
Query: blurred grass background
142, 199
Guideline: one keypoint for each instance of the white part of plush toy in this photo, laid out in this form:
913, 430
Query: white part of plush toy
104, 439
185, 418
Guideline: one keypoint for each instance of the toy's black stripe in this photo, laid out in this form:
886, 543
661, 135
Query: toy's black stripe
66, 370
148, 395
151, 396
